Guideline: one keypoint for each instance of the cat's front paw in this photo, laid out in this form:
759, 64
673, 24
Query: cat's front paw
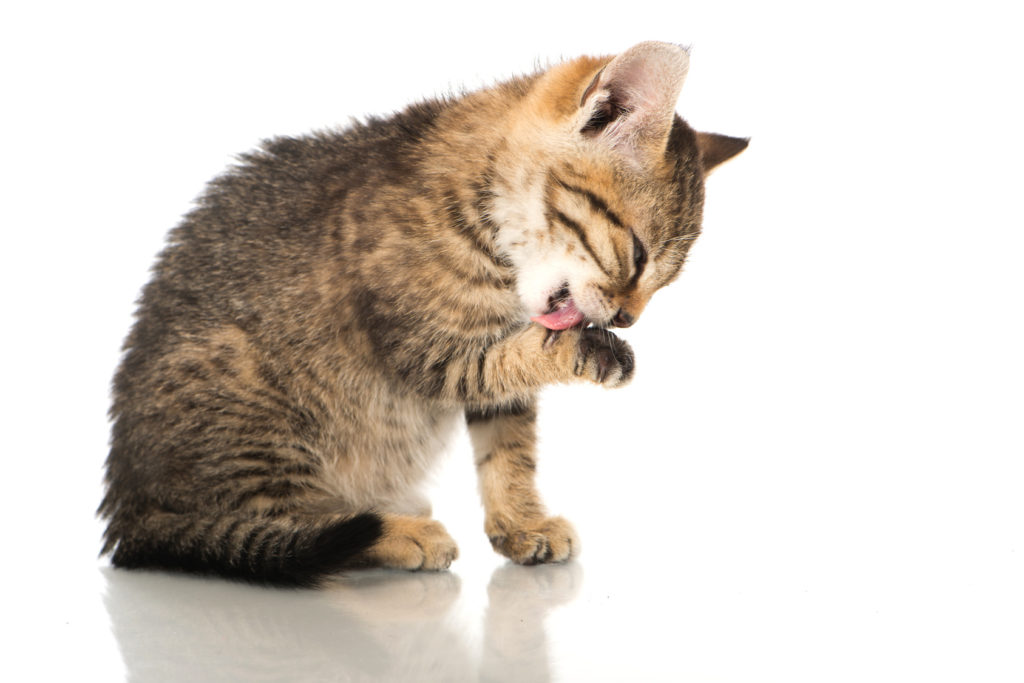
547, 540
603, 358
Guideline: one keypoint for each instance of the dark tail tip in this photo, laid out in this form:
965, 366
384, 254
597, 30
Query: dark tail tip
331, 550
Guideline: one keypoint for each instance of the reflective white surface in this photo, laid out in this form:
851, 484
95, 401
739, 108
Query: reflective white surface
371, 626
871, 606
817, 474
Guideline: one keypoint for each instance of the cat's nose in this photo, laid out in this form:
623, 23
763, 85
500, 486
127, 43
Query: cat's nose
623, 318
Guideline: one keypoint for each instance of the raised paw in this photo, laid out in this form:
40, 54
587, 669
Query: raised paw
413, 543
549, 540
603, 358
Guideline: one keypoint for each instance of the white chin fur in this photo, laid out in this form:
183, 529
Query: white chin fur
543, 261
539, 280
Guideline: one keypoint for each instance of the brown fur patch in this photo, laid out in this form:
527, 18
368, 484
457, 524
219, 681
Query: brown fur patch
561, 89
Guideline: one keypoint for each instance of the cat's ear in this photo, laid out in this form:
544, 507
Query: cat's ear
716, 149
631, 102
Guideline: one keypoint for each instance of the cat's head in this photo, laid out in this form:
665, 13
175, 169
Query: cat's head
600, 190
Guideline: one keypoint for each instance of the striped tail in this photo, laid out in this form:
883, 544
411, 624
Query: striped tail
296, 550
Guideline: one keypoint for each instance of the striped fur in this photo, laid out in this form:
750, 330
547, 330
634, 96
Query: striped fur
319, 324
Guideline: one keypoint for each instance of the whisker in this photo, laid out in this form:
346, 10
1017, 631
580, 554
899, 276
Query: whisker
681, 238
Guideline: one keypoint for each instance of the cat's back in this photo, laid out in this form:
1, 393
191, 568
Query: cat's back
284, 192
277, 218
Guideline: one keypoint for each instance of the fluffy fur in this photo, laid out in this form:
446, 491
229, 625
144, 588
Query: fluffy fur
337, 303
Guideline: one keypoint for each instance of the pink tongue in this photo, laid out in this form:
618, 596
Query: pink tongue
562, 318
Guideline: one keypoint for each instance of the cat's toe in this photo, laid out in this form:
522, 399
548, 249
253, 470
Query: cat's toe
552, 540
604, 358
439, 550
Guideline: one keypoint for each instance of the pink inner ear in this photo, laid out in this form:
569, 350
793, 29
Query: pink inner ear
646, 80
636, 85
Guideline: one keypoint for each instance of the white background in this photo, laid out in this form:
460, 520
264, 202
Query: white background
816, 475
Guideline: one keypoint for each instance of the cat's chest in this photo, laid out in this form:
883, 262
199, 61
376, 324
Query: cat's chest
390, 435
407, 424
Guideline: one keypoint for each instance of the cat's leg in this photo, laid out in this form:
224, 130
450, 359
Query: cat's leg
531, 358
516, 521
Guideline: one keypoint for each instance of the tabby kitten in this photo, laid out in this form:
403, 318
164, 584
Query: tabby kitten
319, 323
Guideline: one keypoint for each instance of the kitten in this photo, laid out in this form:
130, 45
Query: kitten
336, 303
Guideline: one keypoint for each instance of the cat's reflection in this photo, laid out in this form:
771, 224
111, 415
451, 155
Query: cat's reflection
369, 626
373, 626
518, 600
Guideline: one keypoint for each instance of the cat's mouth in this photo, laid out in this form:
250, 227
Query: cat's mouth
562, 312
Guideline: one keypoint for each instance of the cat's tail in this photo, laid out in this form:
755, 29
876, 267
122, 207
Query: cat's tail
297, 550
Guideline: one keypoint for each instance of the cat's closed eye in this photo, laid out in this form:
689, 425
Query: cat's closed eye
639, 257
